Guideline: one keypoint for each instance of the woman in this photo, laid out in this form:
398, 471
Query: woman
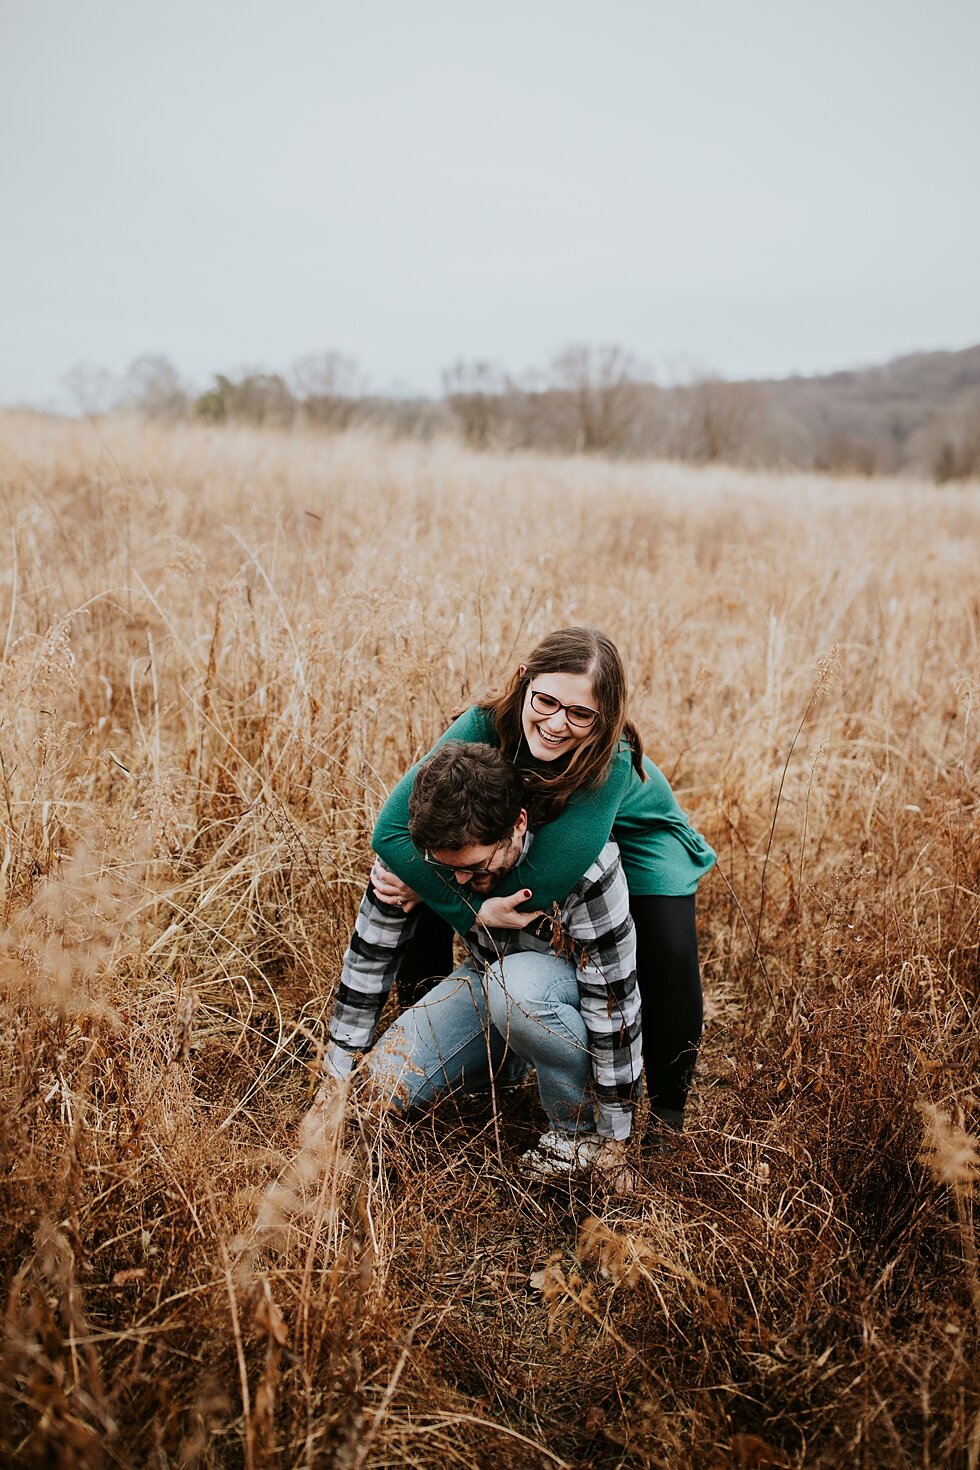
562, 721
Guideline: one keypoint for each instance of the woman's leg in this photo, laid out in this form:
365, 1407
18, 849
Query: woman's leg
669, 980
426, 958
444, 1040
534, 1006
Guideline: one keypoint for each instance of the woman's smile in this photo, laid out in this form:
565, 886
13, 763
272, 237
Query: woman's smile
553, 742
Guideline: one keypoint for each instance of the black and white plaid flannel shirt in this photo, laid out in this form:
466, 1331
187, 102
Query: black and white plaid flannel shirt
595, 932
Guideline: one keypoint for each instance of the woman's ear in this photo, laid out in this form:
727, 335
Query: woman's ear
521, 670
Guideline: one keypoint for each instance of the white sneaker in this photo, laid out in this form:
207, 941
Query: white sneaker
561, 1153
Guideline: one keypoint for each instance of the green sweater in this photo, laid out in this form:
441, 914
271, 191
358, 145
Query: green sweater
661, 851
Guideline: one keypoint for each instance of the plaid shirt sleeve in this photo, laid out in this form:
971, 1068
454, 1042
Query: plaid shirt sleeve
596, 916
380, 935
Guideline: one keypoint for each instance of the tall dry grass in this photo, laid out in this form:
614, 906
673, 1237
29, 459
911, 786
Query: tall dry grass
219, 650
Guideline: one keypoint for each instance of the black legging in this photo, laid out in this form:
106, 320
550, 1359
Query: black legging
427, 957
672, 1014
668, 976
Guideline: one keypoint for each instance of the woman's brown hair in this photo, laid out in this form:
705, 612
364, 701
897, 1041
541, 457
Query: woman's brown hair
570, 651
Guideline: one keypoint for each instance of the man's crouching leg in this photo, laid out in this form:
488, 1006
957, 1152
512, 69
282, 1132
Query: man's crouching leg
445, 1040
534, 1004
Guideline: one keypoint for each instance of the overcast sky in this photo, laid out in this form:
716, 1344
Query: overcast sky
760, 187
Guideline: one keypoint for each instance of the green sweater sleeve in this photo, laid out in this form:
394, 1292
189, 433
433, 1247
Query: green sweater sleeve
560, 853
395, 847
564, 849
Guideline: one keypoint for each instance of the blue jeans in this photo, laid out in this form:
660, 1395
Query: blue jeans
471, 1026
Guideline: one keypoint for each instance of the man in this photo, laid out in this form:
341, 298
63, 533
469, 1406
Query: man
559, 994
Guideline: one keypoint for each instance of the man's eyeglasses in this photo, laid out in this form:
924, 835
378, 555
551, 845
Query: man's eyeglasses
578, 715
477, 871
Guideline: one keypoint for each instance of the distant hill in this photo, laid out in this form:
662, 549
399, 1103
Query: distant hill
917, 414
920, 411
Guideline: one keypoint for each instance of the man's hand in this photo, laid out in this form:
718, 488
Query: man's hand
336, 1064
501, 913
390, 888
324, 1120
611, 1164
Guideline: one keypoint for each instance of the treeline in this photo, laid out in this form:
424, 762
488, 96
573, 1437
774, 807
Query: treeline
917, 414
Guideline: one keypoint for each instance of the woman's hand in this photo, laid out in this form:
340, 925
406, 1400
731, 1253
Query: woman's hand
390, 888
501, 913
612, 1166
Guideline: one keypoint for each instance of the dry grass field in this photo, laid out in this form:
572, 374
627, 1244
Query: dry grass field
221, 648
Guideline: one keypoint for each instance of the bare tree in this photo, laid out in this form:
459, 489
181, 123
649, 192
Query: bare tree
93, 389
476, 394
328, 386
154, 387
602, 394
848, 454
720, 420
949, 444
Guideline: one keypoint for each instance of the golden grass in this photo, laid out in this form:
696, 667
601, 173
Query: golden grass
220, 649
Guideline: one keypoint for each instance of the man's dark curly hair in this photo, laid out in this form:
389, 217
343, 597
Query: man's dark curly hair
463, 794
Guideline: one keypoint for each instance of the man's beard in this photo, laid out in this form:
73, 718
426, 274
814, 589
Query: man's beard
485, 885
